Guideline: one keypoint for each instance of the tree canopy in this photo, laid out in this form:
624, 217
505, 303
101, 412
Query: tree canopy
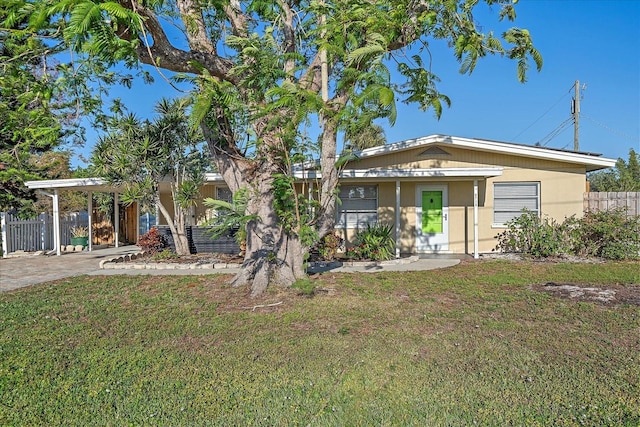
625, 176
44, 96
262, 69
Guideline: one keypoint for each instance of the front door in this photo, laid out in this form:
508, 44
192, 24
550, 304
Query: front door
432, 218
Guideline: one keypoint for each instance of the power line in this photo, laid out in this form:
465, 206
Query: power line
557, 131
543, 114
614, 131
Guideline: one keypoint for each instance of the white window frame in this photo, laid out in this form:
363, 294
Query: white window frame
349, 195
516, 211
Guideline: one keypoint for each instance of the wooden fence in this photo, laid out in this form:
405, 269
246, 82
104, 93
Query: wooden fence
600, 201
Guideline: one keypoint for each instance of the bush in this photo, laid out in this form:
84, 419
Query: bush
529, 234
607, 234
375, 243
328, 246
610, 234
152, 241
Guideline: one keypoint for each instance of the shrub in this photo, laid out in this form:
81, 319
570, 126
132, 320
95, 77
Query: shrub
610, 234
607, 234
375, 243
328, 246
164, 255
531, 235
152, 241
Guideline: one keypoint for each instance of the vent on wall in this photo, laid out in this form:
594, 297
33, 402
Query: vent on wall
434, 152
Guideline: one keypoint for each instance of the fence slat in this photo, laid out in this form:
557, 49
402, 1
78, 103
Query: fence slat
600, 201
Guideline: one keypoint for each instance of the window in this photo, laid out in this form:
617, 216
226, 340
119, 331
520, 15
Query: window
510, 198
223, 194
359, 206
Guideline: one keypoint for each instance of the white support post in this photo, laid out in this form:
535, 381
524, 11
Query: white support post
90, 219
476, 253
57, 238
397, 219
43, 231
116, 226
5, 235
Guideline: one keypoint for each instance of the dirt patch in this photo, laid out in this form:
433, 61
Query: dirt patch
606, 294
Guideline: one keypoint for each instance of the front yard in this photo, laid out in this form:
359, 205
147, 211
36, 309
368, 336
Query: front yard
482, 343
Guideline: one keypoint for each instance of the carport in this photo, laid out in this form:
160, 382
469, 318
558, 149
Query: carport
53, 187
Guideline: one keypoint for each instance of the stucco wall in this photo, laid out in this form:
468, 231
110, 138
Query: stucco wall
561, 188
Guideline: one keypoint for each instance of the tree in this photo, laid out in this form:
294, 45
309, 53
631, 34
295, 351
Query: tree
28, 124
625, 176
359, 139
140, 155
261, 68
41, 102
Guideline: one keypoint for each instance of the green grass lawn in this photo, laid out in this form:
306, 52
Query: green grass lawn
474, 344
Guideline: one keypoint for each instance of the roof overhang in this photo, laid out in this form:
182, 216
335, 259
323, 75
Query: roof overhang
392, 174
75, 184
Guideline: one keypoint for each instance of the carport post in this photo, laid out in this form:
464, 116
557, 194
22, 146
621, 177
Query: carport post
5, 235
57, 238
90, 219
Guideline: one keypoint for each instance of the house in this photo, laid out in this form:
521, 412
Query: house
446, 194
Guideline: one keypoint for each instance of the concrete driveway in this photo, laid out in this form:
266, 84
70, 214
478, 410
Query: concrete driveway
29, 270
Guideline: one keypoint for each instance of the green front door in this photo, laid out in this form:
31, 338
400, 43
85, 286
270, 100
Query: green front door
432, 222
432, 212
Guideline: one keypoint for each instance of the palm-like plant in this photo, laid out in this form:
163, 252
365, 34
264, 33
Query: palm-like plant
231, 217
140, 154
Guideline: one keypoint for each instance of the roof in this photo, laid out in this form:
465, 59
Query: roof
77, 184
591, 161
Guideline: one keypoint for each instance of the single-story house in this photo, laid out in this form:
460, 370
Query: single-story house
445, 194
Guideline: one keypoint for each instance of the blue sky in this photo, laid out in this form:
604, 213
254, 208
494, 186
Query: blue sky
593, 41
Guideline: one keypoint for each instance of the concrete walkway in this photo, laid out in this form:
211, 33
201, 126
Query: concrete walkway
29, 270
34, 269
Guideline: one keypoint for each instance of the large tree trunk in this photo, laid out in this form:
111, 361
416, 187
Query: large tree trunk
273, 256
327, 212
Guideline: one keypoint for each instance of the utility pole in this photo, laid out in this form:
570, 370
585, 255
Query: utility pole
576, 117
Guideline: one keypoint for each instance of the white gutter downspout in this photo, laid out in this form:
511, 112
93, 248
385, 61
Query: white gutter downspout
397, 219
476, 253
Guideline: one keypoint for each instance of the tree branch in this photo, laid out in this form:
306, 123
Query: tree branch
191, 15
237, 18
164, 55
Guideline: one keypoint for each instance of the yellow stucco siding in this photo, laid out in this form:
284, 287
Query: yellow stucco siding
167, 202
202, 213
560, 196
